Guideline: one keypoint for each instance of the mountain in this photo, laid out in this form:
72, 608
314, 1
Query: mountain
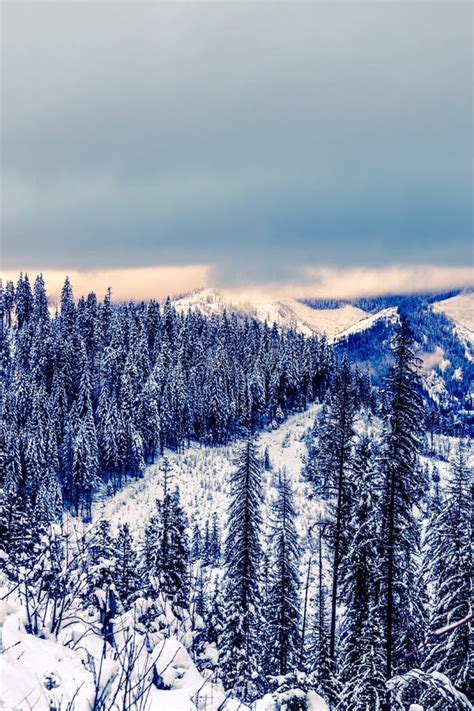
442, 324
460, 310
443, 329
285, 312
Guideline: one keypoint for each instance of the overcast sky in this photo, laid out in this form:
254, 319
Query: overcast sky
252, 140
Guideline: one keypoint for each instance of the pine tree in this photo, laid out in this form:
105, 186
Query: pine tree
334, 464
8, 302
101, 570
240, 644
206, 544
320, 661
400, 528
85, 465
151, 555
361, 671
49, 504
23, 301
449, 572
175, 550
215, 616
126, 574
215, 542
283, 600
196, 544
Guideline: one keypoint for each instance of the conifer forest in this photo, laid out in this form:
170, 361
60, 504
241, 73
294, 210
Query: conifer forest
212, 512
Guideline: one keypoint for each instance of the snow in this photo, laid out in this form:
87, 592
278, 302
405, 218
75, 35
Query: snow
29, 661
390, 315
202, 474
435, 387
52, 673
460, 309
285, 312
314, 702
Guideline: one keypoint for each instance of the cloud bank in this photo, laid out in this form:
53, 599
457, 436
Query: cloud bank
145, 283
255, 138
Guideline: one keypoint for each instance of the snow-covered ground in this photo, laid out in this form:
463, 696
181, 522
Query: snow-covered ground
368, 321
460, 309
202, 474
78, 671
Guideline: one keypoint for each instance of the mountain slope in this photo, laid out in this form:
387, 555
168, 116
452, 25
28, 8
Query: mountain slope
389, 315
460, 310
282, 311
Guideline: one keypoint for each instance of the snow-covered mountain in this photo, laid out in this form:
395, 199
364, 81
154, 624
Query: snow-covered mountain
285, 311
443, 329
460, 309
388, 315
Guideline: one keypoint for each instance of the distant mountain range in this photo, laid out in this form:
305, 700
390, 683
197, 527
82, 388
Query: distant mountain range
442, 324
286, 312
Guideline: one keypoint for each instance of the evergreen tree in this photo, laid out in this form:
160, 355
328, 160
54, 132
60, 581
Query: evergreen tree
206, 544
449, 572
175, 550
23, 301
215, 616
126, 575
151, 555
101, 569
283, 599
8, 302
320, 661
240, 644
215, 542
334, 465
361, 655
400, 528
196, 543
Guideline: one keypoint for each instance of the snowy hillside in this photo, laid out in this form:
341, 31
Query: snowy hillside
284, 311
460, 309
202, 475
76, 667
389, 315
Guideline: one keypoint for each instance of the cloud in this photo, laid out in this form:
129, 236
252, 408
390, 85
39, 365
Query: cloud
253, 138
135, 284
311, 282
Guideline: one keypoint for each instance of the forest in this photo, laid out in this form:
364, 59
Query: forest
344, 581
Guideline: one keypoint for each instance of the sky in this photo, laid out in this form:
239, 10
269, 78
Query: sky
316, 148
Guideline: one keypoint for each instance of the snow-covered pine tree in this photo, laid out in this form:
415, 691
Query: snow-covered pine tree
334, 464
8, 302
215, 551
150, 555
23, 301
126, 572
400, 527
214, 615
48, 503
196, 543
320, 663
283, 604
361, 654
240, 644
206, 544
175, 550
100, 574
449, 573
